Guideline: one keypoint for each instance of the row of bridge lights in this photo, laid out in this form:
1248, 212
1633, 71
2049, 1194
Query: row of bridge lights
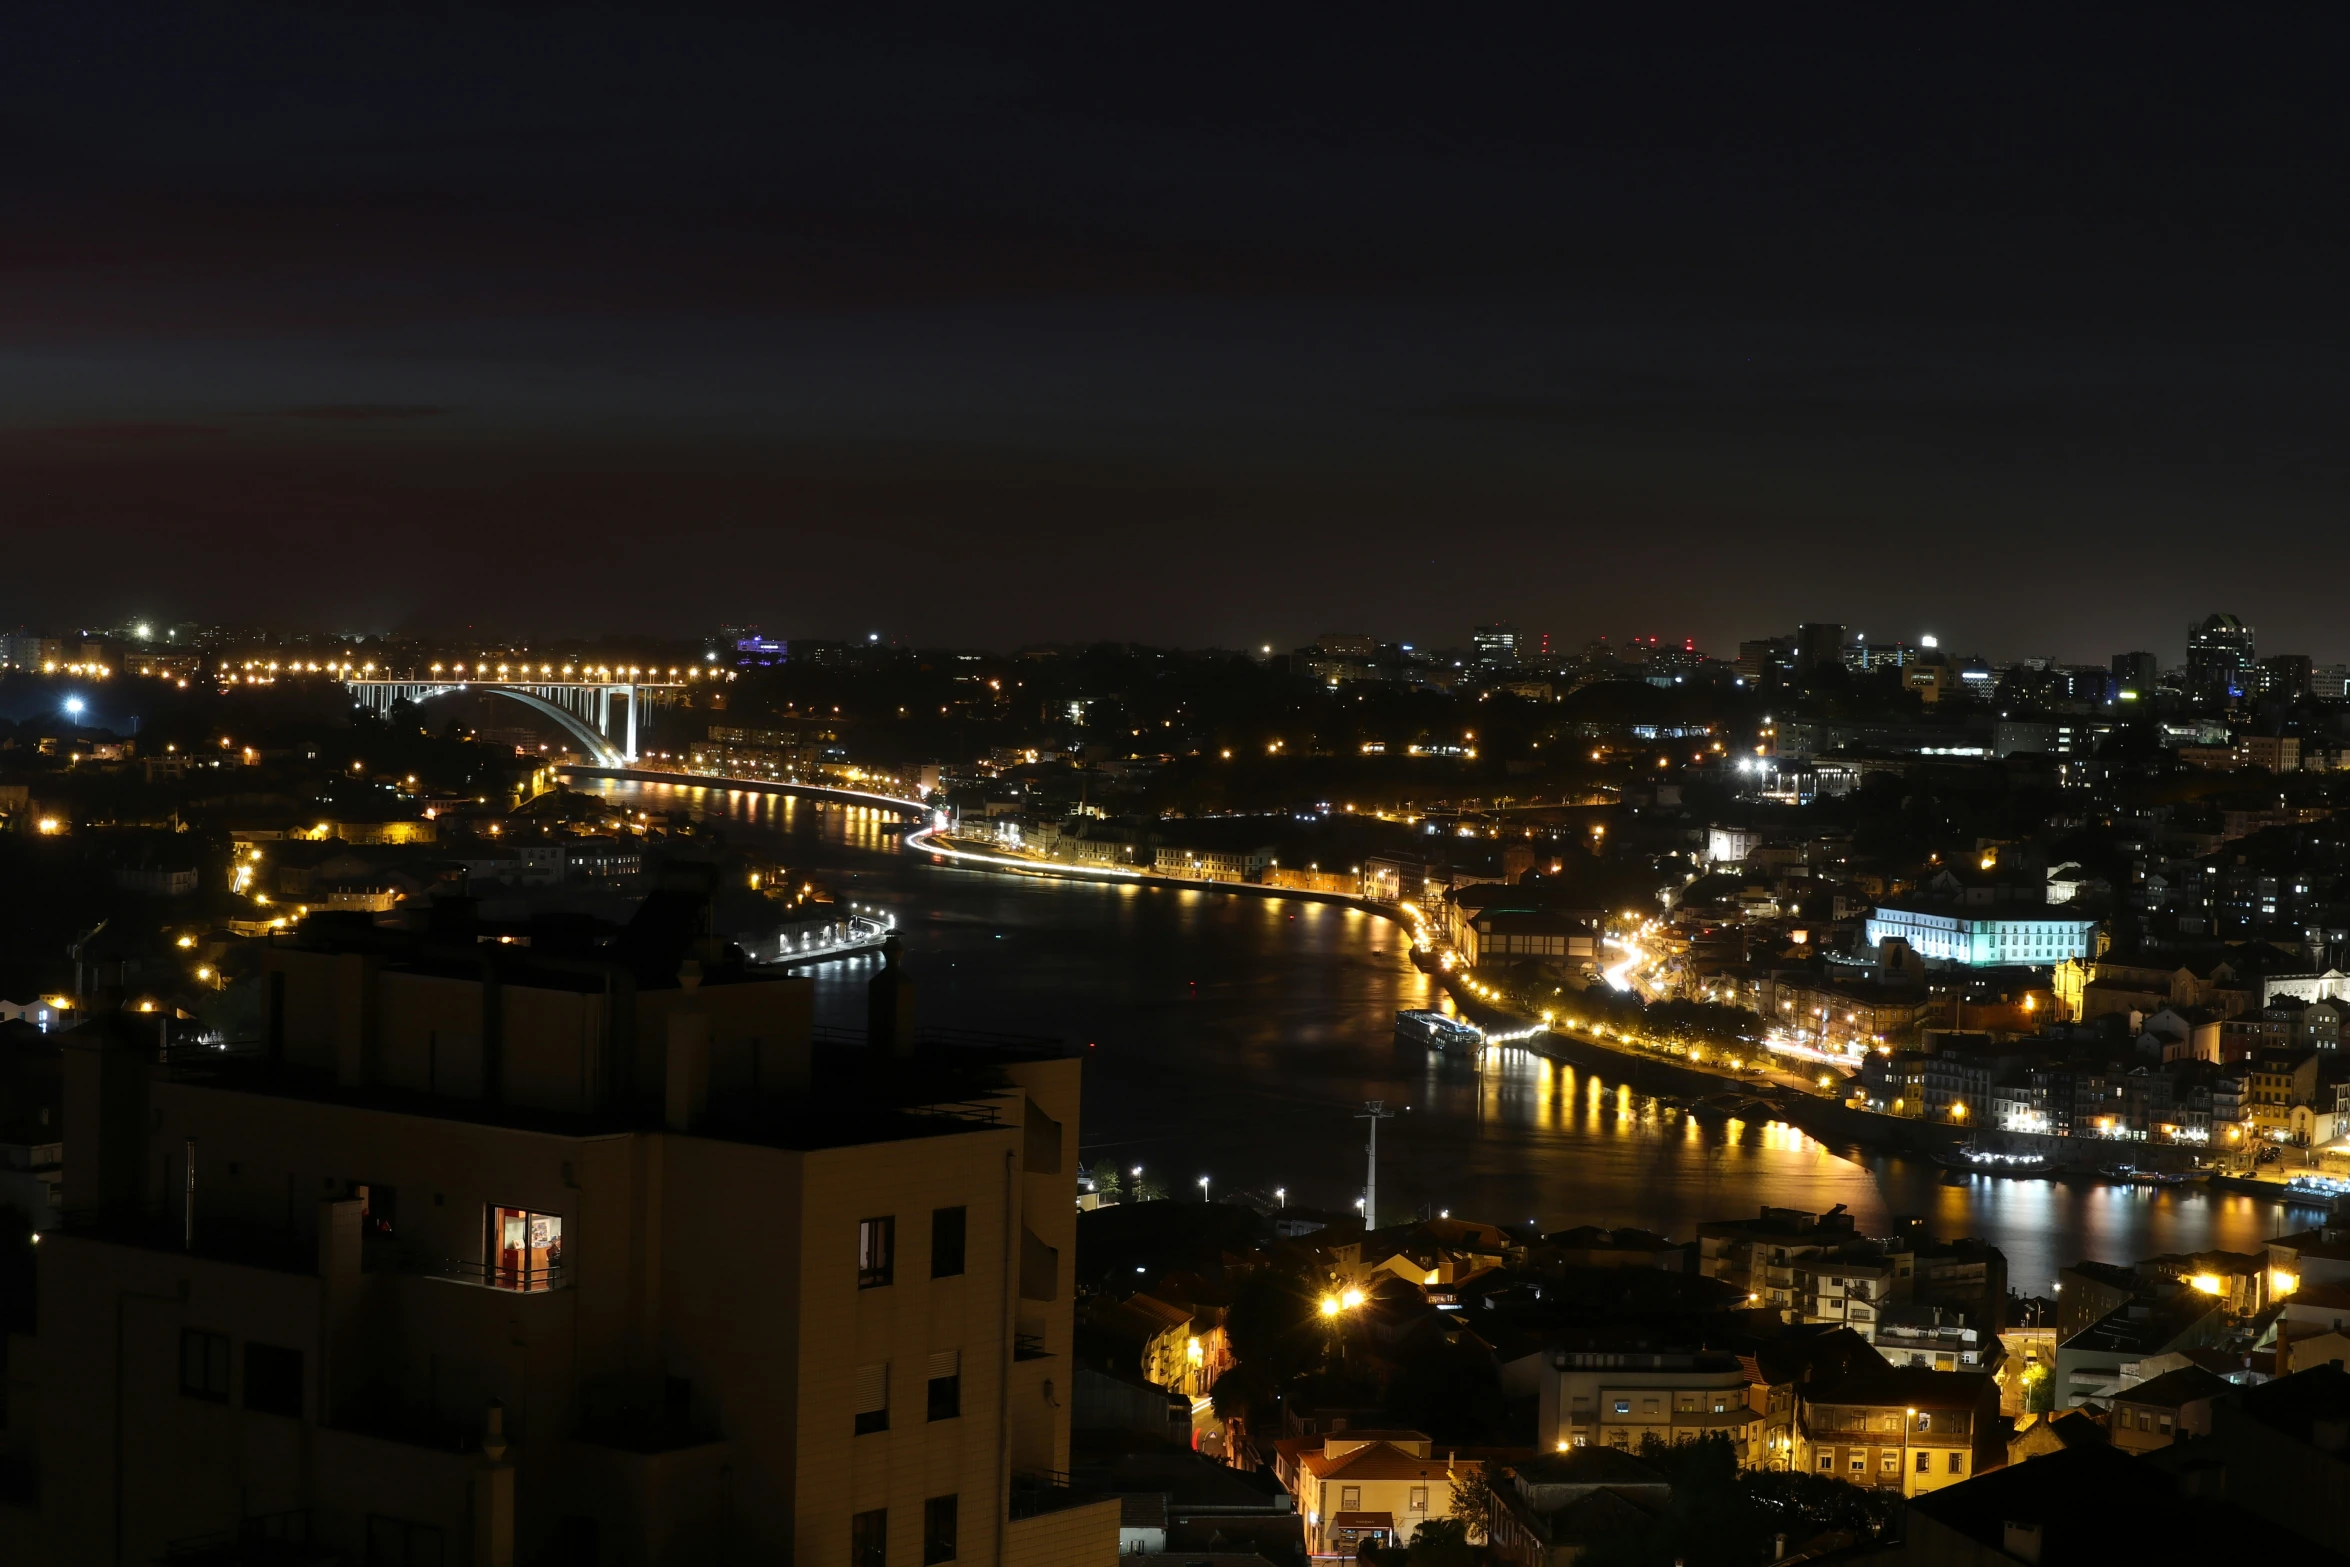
297, 667
255, 666
582, 671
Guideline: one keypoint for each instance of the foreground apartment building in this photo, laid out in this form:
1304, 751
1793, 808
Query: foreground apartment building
500, 1254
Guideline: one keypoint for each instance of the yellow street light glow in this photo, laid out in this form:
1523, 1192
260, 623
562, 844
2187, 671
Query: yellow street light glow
2208, 1283
1329, 1305
1351, 1299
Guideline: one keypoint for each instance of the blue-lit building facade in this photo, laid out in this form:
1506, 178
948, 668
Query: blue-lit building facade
1983, 937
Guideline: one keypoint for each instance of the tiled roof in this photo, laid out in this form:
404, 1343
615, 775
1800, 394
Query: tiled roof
1379, 1461
2173, 1388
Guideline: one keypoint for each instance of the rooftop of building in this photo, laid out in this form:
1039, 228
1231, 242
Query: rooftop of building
2173, 1389
2090, 1505
2143, 1326
1591, 1237
1885, 1386
2310, 1406
1585, 1466
1373, 1461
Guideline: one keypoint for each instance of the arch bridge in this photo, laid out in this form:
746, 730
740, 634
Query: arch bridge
586, 710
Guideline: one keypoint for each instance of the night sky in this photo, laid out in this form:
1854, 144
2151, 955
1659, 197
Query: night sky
1182, 324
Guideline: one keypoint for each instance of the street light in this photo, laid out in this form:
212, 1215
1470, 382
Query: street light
1281, 1195
1203, 1188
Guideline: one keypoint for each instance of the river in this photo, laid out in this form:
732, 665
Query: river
1238, 1037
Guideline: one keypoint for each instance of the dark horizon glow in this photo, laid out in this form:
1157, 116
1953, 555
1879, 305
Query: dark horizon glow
1210, 330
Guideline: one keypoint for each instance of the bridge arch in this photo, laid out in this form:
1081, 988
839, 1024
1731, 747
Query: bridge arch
599, 749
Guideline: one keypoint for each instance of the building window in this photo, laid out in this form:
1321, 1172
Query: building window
872, 1398
1623, 1406
525, 1249
1925, 1463
1892, 1463
395, 1542
273, 1380
1958, 1463
1860, 1463
869, 1538
938, 1531
1925, 1422
1827, 1462
1350, 1498
204, 1364
946, 1244
876, 1251
1419, 1499
946, 1384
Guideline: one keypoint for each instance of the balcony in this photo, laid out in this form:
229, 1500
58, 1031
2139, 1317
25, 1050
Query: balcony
268, 1540
1036, 1492
513, 1279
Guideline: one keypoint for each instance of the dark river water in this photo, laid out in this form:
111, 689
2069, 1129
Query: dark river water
1236, 1037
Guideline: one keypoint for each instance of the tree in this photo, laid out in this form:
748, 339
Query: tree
1472, 1497
1107, 1179
1277, 1337
1442, 1542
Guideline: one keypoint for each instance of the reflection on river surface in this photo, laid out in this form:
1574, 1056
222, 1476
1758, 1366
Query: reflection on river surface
1235, 1037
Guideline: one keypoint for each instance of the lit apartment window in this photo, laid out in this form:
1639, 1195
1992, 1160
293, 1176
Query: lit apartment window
1350, 1498
876, 1249
525, 1249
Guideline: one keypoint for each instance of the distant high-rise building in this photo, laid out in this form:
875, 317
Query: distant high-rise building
1497, 646
2137, 673
2285, 675
2219, 657
1347, 644
1818, 645
1765, 658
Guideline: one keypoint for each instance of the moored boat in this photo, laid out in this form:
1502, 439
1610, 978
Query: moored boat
1444, 1035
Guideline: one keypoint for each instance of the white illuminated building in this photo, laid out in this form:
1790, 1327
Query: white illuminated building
1986, 937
